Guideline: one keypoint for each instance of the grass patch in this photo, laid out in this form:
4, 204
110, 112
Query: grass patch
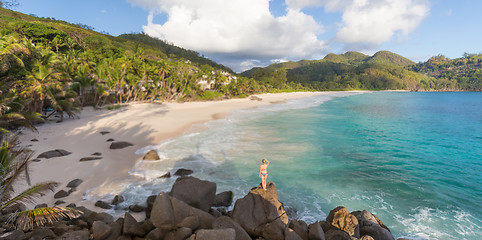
113, 107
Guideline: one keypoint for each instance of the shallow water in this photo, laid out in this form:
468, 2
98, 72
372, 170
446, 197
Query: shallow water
413, 159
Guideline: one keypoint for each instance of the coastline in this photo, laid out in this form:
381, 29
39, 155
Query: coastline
141, 124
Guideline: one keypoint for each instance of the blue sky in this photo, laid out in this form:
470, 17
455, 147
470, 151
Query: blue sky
246, 33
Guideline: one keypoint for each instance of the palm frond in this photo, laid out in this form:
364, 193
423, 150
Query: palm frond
13, 171
31, 193
38, 217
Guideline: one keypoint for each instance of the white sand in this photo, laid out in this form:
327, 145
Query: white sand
140, 124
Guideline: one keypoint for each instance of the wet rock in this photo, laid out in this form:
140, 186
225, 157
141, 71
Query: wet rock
103, 205
74, 183
54, 153
118, 199
183, 172
86, 159
195, 192
120, 145
59, 202
61, 194
167, 175
110, 140
136, 208
151, 155
224, 199
96, 154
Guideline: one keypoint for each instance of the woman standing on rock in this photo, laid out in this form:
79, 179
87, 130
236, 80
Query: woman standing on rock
263, 172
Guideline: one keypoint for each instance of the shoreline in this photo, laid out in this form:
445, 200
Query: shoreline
141, 124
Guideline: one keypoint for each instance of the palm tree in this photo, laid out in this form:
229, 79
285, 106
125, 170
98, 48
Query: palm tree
13, 163
11, 50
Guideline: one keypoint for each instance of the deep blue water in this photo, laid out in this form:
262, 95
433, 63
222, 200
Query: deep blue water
413, 159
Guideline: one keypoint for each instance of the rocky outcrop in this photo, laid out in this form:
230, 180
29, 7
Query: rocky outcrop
54, 153
261, 214
151, 155
258, 215
195, 192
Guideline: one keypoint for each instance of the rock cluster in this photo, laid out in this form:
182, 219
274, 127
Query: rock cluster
189, 211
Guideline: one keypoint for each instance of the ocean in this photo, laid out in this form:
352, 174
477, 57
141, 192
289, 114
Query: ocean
412, 158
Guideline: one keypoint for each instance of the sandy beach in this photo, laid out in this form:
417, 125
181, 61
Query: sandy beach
141, 124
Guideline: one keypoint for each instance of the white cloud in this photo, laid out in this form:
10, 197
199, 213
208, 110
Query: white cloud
241, 33
368, 24
237, 27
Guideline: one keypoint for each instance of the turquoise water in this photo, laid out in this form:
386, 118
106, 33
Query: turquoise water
413, 159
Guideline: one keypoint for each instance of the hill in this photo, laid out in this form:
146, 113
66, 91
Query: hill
383, 70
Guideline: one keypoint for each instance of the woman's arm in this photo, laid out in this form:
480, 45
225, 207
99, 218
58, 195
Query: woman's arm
267, 162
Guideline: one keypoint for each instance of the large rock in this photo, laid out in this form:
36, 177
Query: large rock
372, 226
117, 199
103, 205
290, 234
61, 194
258, 208
274, 230
315, 232
100, 230
156, 234
54, 153
337, 235
377, 232
195, 192
344, 220
120, 145
224, 199
226, 222
14, 235
300, 228
116, 231
74, 183
132, 227
151, 156
216, 234
168, 213
42, 233
181, 233
76, 235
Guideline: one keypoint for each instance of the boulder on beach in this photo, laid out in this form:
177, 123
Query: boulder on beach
86, 159
120, 145
103, 205
168, 213
151, 156
132, 227
195, 192
54, 153
61, 194
260, 213
117, 199
104, 132
226, 222
74, 183
300, 227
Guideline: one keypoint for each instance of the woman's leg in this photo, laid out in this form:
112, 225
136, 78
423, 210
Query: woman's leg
263, 181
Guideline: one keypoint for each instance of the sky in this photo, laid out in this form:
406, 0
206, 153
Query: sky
242, 34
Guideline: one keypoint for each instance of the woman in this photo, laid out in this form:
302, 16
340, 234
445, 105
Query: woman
263, 172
